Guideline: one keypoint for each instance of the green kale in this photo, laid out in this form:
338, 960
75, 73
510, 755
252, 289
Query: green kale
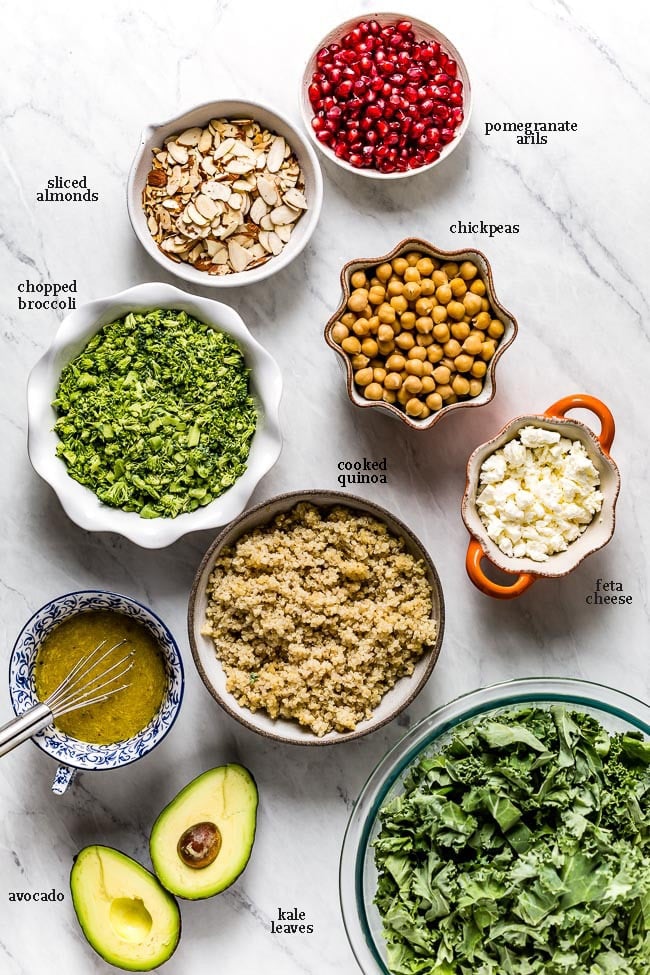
522, 847
155, 415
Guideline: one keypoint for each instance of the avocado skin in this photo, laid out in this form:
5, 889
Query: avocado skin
105, 953
187, 791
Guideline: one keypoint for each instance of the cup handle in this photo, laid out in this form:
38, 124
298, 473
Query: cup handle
475, 556
63, 778
586, 402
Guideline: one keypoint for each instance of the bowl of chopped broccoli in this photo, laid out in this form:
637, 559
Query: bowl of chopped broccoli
154, 413
509, 831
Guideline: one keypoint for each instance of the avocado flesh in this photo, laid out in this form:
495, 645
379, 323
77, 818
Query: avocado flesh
124, 913
225, 796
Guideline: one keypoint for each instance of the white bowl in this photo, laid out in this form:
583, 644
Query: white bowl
80, 503
154, 136
422, 30
210, 668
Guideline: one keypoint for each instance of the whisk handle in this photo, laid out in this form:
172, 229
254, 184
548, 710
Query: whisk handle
24, 726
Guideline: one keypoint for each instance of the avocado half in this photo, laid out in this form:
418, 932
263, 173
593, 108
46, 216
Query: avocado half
203, 839
125, 914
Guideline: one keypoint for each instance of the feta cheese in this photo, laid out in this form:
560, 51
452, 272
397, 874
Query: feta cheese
538, 493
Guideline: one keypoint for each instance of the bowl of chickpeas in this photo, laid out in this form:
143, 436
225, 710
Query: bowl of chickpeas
420, 331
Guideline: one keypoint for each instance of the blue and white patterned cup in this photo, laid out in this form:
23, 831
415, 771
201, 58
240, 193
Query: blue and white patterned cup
71, 753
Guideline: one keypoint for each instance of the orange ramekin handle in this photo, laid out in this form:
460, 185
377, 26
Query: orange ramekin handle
585, 402
475, 555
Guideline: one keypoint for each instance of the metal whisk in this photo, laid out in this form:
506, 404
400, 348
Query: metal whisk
84, 685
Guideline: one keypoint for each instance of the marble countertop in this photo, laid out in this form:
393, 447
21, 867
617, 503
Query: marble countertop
80, 82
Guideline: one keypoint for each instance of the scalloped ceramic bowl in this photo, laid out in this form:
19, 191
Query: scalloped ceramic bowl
71, 753
597, 534
429, 250
153, 137
423, 31
617, 711
211, 671
80, 504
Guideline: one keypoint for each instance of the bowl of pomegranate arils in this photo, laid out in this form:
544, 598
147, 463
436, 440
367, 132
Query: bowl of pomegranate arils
386, 97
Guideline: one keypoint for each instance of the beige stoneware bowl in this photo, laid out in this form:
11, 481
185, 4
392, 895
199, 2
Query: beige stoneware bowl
211, 671
428, 250
154, 136
526, 571
423, 31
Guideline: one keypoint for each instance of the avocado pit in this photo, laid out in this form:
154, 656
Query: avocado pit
199, 845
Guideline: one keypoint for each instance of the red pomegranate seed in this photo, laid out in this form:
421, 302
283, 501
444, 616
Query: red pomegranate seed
318, 123
334, 75
371, 137
340, 150
353, 135
314, 93
456, 100
344, 89
324, 136
404, 26
452, 68
356, 159
382, 127
377, 85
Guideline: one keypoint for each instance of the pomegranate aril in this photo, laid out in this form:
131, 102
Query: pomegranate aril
452, 68
340, 150
318, 123
352, 135
314, 93
356, 160
344, 89
378, 85
382, 127
333, 75
447, 135
324, 136
456, 100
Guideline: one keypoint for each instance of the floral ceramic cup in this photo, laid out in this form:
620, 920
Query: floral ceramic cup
71, 753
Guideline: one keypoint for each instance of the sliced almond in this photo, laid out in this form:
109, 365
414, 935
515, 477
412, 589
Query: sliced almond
240, 166
267, 190
258, 209
195, 216
205, 142
152, 224
190, 137
264, 241
284, 214
178, 153
284, 232
225, 147
208, 166
206, 207
276, 154
216, 190
239, 257
235, 201
275, 243
295, 199
266, 223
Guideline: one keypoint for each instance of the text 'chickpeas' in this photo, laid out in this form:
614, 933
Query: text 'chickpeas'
420, 332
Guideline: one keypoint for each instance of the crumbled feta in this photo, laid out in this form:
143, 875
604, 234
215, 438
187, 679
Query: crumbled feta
538, 493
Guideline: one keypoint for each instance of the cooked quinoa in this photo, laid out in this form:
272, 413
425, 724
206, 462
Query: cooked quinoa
317, 614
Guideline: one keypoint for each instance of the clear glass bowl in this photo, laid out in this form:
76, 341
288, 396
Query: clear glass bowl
615, 710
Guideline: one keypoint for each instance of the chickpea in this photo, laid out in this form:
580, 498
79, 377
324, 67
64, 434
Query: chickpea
460, 385
439, 314
386, 314
496, 329
366, 312
488, 350
379, 374
413, 385
445, 391
463, 362
414, 407
441, 333
467, 270
417, 353
393, 381
473, 345
412, 258
472, 304
399, 303
443, 294
478, 288
404, 341
479, 369
448, 362
424, 325
423, 306
439, 278
411, 274
384, 272
385, 333
485, 304
434, 401
442, 375
358, 300
389, 396
414, 367
425, 266
374, 391
427, 287
407, 320
452, 348
400, 265
395, 363
451, 270
403, 396
434, 353
428, 383
359, 361
458, 287
348, 319
375, 282
361, 327
363, 377
475, 387
359, 279
482, 321
351, 345
424, 340
456, 310
339, 332
460, 330
385, 348
394, 288
373, 324
376, 295
411, 290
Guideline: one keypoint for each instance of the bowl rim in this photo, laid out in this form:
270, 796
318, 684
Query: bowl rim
506, 317
186, 271
172, 655
511, 565
444, 718
390, 17
292, 498
77, 328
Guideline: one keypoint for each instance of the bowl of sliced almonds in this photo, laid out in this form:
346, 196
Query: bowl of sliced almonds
225, 194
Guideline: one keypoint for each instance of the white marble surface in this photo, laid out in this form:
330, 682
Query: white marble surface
80, 81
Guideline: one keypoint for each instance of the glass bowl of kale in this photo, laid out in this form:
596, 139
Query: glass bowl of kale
508, 832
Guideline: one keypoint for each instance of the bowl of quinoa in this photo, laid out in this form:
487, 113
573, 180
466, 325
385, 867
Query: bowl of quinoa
315, 617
